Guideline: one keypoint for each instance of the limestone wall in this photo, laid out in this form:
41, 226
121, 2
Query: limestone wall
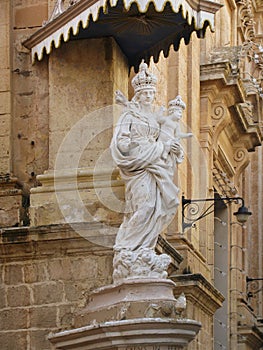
29, 94
46, 276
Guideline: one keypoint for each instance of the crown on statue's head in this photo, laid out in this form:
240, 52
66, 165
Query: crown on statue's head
177, 102
144, 79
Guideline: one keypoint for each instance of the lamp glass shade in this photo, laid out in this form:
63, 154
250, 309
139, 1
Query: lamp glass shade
242, 214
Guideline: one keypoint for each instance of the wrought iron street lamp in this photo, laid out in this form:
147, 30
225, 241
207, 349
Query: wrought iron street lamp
242, 214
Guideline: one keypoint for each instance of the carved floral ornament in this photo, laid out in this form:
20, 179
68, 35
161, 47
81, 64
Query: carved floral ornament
246, 16
163, 23
251, 49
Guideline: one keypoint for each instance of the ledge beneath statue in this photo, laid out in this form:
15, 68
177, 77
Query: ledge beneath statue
134, 334
134, 298
135, 314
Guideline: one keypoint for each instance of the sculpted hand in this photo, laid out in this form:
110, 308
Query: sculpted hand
176, 148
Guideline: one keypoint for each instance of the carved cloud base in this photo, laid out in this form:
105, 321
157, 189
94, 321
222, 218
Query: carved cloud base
134, 315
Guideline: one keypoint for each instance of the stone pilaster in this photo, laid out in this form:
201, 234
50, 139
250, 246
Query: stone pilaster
10, 198
5, 87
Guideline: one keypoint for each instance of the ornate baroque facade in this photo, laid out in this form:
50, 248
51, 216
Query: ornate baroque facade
57, 218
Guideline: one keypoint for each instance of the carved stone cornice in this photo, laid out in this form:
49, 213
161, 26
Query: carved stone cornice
241, 65
163, 246
251, 132
250, 336
18, 243
213, 71
227, 54
230, 109
22, 243
199, 291
221, 77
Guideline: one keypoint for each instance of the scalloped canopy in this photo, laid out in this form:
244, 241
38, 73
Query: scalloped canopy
142, 28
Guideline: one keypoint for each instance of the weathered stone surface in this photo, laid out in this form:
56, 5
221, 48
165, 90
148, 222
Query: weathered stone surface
10, 204
13, 274
39, 249
35, 272
106, 72
39, 339
14, 319
2, 297
48, 292
138, 298
18, 296
43, 316
151, 334
5, 102
14, 340
30, 15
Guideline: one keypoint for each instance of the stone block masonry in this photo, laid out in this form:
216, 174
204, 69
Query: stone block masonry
46, 276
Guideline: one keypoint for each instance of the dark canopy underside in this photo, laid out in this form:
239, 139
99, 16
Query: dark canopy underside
142, 35
142, 28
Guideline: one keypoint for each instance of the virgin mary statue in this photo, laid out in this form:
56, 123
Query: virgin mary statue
147, 167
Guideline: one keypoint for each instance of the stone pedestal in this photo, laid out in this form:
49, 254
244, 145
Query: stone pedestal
134, 315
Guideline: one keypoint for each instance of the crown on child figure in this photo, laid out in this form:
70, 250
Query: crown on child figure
177, 102
144, 79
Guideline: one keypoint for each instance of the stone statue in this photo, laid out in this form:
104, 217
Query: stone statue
170, 126
147, 161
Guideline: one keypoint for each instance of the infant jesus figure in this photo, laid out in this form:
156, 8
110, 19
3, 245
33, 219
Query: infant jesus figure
170, 125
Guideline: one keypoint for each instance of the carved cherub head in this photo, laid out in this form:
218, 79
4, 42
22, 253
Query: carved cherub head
176, 107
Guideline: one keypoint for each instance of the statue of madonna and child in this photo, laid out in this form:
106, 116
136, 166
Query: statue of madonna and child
146, 148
